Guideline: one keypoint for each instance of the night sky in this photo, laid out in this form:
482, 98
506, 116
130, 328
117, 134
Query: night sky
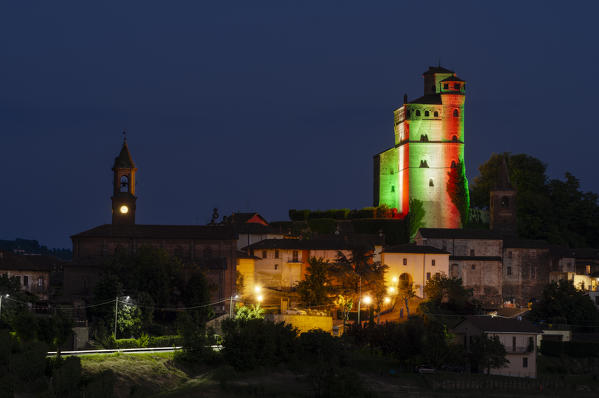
267, 106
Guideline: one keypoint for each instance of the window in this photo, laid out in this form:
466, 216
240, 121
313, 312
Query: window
418, 113
454, 138
532, 272
276, 267
436, 114
428, 276
525, 362
513, 343
509, 254
456, 86
453, 165
588, 269
531, 345
295, 256
433, 263
473, 267
124, 184
471, 252
424, 138
430, 183
446, 86
392, 188
277, 253
509, 270
19, 279
423, 163
40, 282
405, 261
426, 113
26, 280
263, 253
437, 275
456, 113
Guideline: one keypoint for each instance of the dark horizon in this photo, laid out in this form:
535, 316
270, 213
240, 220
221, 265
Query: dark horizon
268, 107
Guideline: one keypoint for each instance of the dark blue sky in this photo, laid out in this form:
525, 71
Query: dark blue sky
269, 105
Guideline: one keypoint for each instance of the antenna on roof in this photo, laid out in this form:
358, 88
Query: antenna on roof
125, 135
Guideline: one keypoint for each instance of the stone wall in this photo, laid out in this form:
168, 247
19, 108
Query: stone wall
304, 323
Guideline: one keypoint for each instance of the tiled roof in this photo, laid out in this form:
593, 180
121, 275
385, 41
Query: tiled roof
454, 233
452, 79
124, 159
11, 261
414, 249
475, 258
313, 244
502, 325
203, 232
428, 99
437, 69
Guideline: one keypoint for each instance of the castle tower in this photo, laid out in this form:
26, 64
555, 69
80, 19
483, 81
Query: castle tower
123, 196
429, 142
502, 207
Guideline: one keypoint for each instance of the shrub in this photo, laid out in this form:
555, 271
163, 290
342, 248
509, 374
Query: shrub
126, 343
166, 341
299, 215
323, 225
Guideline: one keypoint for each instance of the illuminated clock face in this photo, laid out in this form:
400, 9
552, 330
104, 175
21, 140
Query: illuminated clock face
124, 209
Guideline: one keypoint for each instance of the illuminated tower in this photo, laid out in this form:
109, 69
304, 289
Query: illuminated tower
429, 141
123, 196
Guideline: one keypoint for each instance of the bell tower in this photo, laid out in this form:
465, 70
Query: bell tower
502, 209
123, 193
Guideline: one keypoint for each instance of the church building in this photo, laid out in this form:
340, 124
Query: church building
429, 143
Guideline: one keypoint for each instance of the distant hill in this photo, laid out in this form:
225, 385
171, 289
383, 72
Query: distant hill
32, 247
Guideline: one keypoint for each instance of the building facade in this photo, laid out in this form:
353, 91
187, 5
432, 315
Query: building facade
429, 142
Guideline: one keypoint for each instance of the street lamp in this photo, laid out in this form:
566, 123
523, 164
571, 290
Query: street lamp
6, 295
116, 311
259, 298
387, 300
236, 297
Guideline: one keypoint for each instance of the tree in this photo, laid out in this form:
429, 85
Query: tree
416, 217
315, 288
405, 292
245, 313
457, 188
488, 353
447, 295
562, 303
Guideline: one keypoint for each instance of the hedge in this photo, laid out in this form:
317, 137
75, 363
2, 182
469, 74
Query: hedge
577, 349
154, 341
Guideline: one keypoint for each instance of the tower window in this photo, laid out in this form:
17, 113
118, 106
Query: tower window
455, 137
392, 188
456, 113
456, 86
405, 261
430, 183
446, 86
423, 163
453, 165
424, 138
124, 184
426, 113
418, 113
436, 114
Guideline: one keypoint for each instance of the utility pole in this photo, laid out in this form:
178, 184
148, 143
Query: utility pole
116, 309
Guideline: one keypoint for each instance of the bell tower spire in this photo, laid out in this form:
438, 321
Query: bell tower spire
123, 194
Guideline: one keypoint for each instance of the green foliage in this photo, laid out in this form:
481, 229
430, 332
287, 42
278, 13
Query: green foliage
395, 231
555, 210
405, 292
563, 302
249, 343
322, 225
315, 288
488, 353
67, 378
55, 330
165, 341
448, 296
457, 188
415, 218
247, 312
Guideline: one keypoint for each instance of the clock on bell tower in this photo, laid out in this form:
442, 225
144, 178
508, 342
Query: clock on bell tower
123, 196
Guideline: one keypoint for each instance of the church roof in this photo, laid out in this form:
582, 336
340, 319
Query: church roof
410, 248
437, 69
428, 99
124, 160
452, 79
140, 231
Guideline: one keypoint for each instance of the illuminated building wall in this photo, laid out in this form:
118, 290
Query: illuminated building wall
429, 139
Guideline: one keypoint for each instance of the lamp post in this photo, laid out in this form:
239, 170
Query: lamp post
116, 311
1, 296
231, 305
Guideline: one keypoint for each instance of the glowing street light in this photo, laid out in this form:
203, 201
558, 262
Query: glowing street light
259, 298
394, 279
391, 290
257, 289
367, 300
387, 300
